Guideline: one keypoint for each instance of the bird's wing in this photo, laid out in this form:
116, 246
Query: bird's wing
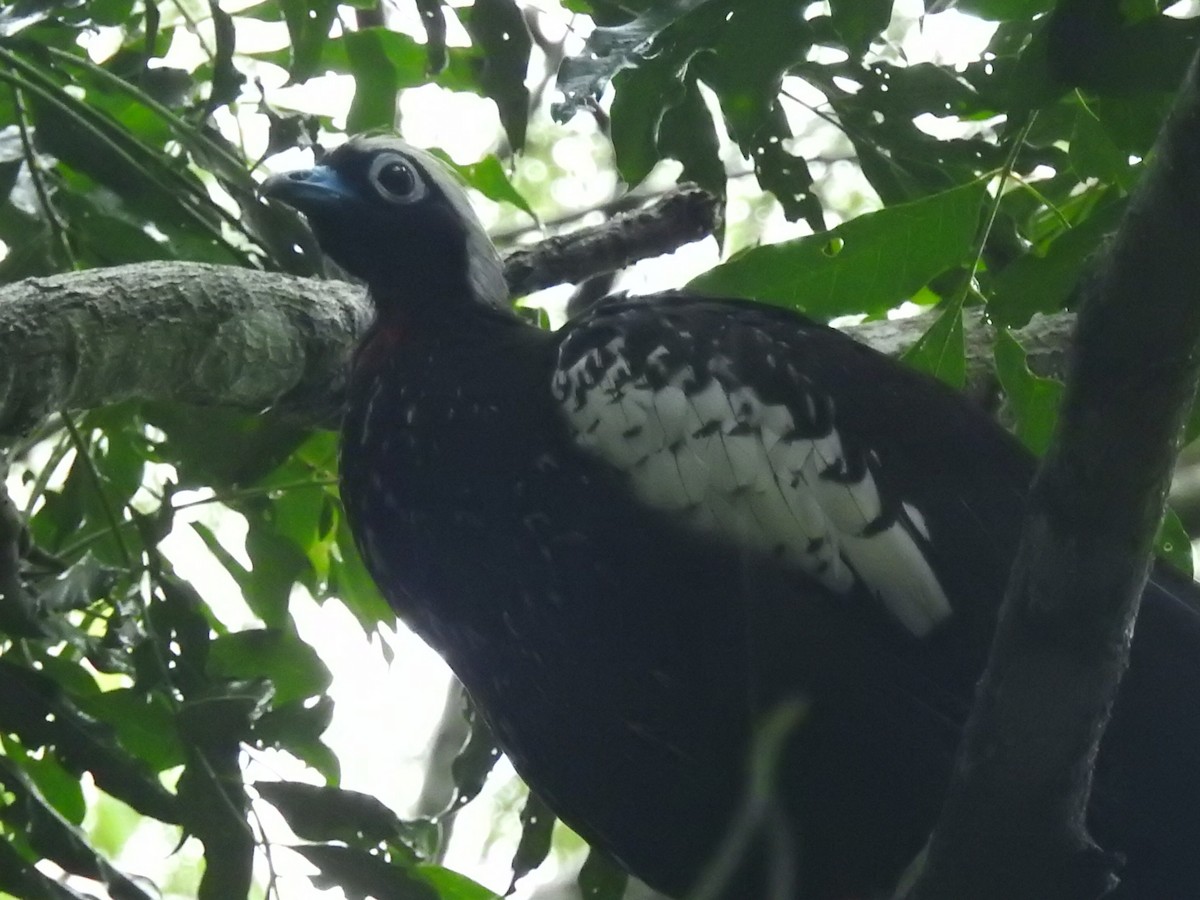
708, 411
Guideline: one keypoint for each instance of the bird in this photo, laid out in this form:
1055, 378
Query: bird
639, 537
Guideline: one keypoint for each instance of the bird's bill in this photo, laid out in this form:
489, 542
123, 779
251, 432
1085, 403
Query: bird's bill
306, 189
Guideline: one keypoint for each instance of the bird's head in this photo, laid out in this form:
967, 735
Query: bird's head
395, 217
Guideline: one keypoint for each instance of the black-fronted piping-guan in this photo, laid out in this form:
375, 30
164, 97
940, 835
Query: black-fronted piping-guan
635, 536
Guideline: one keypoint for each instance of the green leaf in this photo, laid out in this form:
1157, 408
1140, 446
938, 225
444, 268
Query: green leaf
292, 666
277, 563
582, 78
33, 706
1034, 400
433, 20
451, 885
1173, 543
333, 814
144, 724
308, 23
859, 22
941, 350
783, 174
351, 583
1045, 282
498, 30
1004, 10
212, 794
53, 838
361, 874
687, 133
869, 264
221, 448
489, 177
224, 714
600, 878
375, 82
60, 788
297, 727
1094, 154
642, 94
83, 582
475, 760
226, 82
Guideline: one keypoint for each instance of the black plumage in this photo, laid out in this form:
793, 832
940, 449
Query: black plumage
635, 537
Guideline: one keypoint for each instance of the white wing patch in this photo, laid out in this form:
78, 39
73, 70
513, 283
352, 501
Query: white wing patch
738, 469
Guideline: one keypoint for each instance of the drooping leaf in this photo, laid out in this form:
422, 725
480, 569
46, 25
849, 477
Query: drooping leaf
537, 828
433, 20
498, 30
475, 760
687, 133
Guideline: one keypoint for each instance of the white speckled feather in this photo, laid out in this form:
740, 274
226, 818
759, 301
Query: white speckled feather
759, 475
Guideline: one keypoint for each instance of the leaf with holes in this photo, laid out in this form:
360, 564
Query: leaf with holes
582, 78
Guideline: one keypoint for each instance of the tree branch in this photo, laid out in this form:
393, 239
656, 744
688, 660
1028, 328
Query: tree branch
1013, 824
221, 335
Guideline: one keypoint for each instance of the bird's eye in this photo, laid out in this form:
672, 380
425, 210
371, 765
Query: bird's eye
395, 179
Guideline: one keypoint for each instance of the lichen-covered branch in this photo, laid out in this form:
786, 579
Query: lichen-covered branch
219, 335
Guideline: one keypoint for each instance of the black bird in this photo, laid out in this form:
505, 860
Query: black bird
636, 537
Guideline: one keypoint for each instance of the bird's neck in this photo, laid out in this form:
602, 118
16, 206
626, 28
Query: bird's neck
436, 307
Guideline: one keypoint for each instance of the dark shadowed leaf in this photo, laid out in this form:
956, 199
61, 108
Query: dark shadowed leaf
642, 96
537, 827
34, 707
363, 875
332, 814
859, 22
433, 19
52, 838
476, 759
498, 30
687, 134
582, 78
601, 878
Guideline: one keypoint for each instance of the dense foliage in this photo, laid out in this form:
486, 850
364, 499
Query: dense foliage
996, 180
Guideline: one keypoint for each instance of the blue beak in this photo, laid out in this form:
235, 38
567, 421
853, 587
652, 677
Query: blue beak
307, 189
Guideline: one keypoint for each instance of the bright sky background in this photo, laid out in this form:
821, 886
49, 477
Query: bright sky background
385, 714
